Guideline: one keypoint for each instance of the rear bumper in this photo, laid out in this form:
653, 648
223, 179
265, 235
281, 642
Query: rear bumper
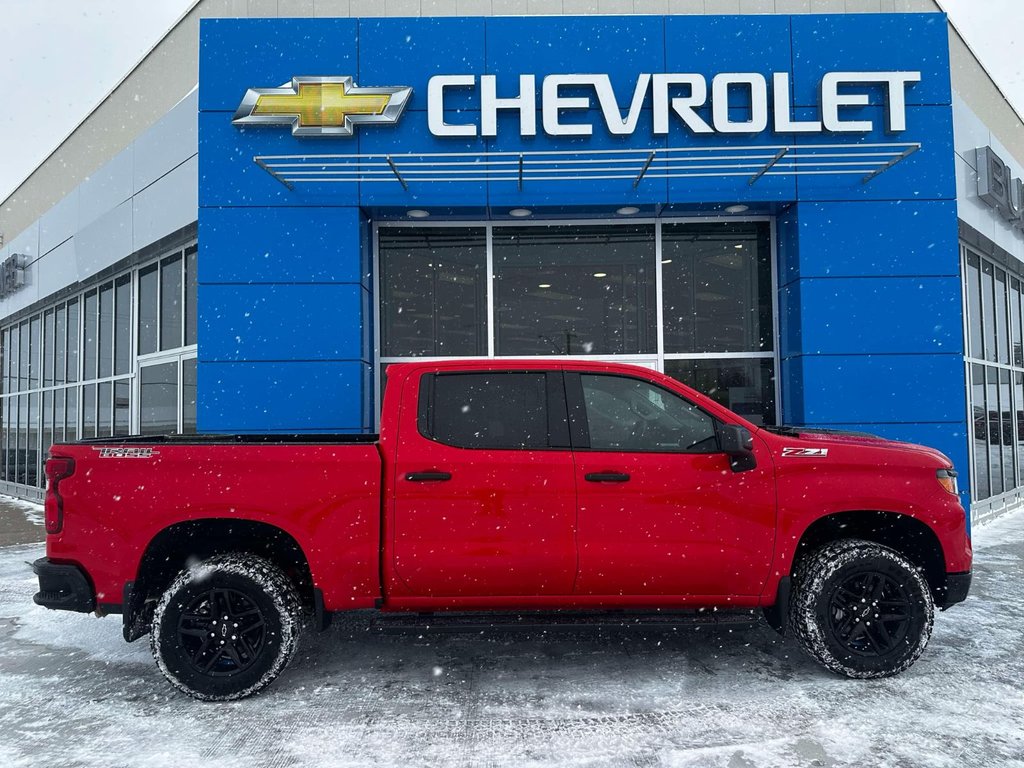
63, 587
955, 591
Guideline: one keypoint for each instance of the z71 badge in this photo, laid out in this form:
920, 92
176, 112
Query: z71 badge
805, 453
126, 453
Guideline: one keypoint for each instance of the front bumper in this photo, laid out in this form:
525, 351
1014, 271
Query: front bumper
955, 591
63, 587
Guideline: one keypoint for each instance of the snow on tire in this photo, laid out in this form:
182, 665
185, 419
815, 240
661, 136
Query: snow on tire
225, 628
861, 609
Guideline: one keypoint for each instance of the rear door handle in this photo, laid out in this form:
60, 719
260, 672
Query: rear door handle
607, 477
424, 477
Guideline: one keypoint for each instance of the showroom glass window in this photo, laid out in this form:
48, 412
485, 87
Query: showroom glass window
993, 296
166, 331
436, 282
574, 290
589, 290
82, 366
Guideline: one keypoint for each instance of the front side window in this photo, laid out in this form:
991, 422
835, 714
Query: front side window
626, 414
486, 410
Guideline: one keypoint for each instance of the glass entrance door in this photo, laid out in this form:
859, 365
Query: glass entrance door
691, 298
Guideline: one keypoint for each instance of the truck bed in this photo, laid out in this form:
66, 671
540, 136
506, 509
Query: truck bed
132, 493
253, 439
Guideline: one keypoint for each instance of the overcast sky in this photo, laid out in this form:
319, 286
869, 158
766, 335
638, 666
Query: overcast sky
59, 58
995, 31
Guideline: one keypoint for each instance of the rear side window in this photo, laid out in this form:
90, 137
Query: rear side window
485, 410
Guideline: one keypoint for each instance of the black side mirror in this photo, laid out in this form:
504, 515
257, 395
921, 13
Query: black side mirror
738, 444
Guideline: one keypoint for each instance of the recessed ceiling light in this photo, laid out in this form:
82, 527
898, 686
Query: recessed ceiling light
600, 274
666, 261
737, 208
520, 212
627, 210
544, 285
417, 213
738, 246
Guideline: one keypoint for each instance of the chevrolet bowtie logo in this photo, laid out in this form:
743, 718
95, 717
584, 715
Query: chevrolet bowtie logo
322, 106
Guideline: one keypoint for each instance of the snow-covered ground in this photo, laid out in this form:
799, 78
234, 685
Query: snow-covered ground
32, 511
72, 693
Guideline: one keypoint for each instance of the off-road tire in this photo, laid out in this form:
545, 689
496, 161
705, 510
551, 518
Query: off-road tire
846, 598
241, 656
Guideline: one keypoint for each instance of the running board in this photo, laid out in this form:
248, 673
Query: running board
478, 621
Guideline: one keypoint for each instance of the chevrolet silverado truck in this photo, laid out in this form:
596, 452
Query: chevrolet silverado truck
497, 488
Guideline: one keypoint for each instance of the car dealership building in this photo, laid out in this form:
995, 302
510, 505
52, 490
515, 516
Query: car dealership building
816, 218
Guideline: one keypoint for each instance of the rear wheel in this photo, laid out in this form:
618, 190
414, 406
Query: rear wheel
861, 609
226, 628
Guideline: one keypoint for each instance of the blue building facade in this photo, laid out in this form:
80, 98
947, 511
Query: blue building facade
852, 184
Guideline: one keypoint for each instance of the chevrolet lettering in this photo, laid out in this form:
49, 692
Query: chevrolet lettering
674, 95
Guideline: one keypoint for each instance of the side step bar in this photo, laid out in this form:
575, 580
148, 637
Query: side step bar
560, 621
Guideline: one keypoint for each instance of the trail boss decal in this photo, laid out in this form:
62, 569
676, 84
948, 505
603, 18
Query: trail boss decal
804, 453
126, 453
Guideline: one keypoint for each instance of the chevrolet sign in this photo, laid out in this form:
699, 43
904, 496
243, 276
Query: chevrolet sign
333, 106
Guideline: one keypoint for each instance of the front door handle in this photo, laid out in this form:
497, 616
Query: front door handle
607, 477
423, 477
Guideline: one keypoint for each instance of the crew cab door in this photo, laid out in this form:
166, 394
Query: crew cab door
661, 512
484, 488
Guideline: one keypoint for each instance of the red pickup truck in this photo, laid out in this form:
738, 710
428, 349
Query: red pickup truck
505, 486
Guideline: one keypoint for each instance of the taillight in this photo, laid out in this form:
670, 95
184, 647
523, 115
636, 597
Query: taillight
947, 479
57, 469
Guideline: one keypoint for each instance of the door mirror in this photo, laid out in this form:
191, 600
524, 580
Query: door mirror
738, 444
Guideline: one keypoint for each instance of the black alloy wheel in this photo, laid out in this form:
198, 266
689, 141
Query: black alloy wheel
222, 632
225, 628
861, 609
870, 614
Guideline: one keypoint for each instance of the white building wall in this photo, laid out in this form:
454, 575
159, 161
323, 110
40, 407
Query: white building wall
145, 192
970, 133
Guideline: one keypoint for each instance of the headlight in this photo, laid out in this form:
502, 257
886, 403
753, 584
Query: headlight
947, 479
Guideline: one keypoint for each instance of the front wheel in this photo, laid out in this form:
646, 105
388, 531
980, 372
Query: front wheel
226, 628
861, 609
